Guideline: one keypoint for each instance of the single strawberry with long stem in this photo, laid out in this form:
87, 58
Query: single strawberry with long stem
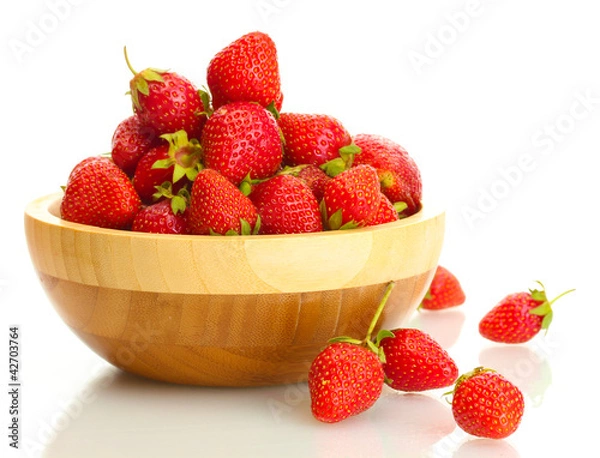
242, 139
217, 207
486, 404
445, 291
246, 70
286, 205
313, 138
414, 361
166, 101
346, 378
99, 193
519, 317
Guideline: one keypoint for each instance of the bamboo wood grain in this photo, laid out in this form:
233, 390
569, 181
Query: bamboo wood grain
226, 311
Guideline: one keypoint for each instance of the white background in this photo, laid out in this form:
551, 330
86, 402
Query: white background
498, 101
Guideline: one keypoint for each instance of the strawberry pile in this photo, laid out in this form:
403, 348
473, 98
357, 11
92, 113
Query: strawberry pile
225, 160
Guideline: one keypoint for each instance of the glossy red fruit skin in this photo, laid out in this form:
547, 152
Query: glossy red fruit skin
444, 291
217, 206
130, 142
344, 380
172, 105
399, 174
159, 218
416, 362
386, 213
315, 178
286, 205
488, 405
355, 192
247, 70
242, 138
312, 138
99, 193
510, 321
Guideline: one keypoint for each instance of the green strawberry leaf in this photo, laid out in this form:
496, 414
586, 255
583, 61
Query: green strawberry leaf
152, 74
542, 309
345, 339
206, 102
271, 108
383, 334
178, 204
335, 221
257, 226
347, 154
400, 207
163, 163
547, 320
245, 229
334, 167
141, 85
350, 225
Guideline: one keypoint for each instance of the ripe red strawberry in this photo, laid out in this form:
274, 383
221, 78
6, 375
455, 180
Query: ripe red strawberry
218, 207
246, 70
242, 138
414, 361
347, 377
160, 218
312, 138
519, 317
399, 175
444, 291
485, 404
351, 199
167, 102
98, 193
286, 205
131, 140
176, 160
386, 212
315, 178
344, 380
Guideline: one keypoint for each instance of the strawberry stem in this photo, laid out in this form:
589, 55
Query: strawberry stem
386, 295
127, 60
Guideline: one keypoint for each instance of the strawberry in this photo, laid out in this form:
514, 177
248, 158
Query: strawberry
416, 362
167, 102
351, 199
398, 173
160, 218
176, 160
131, 140
312, 138
242, 139
346, 378
246, 70
218, 207
386, 212
99, 193
519, 317
286, 205
312, 175
486, 404
444, 291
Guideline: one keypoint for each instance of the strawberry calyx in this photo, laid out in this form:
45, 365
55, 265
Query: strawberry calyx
140, 80
367, 342
545, 308
464, 377
204, 95
344, 162
179, 201
184, 156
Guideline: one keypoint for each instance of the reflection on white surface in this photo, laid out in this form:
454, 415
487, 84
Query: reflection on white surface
443, 325
476, 448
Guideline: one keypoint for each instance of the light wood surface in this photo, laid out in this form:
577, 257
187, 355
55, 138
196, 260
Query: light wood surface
227, 311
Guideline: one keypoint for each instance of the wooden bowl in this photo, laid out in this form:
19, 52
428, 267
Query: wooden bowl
227, 311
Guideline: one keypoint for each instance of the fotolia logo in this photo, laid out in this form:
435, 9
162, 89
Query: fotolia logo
37, 31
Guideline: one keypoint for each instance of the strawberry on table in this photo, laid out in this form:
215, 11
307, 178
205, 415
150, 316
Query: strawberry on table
217, 207
445, 291
131, 140
242, 139
351, 199
486, 404
519, 317
167, 102
414, 361
398, 173
246, 70
312, 138
347, 377
286, 205
99, 193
